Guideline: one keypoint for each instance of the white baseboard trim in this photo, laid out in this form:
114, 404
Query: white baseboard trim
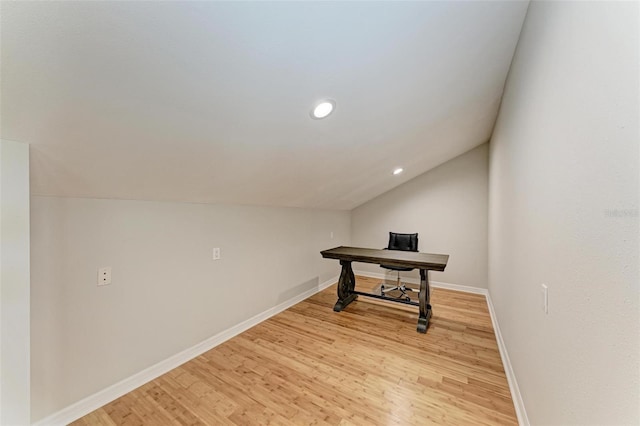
98, 399
521, 412
523, 420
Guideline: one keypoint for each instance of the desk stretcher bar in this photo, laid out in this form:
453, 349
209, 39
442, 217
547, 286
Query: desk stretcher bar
423, 261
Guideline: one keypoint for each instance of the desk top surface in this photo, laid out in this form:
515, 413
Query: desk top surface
412, 259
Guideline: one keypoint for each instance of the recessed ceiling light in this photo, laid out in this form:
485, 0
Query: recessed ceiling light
323, 109
398, 171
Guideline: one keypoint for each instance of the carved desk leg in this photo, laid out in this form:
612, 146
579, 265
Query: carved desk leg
424, 297
346, 285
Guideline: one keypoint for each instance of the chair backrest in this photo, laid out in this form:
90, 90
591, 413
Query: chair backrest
405, 242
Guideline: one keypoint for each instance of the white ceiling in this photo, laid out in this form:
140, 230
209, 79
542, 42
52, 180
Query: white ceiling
209, 102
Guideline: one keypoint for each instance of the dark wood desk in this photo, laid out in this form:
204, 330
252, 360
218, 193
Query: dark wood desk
423, 261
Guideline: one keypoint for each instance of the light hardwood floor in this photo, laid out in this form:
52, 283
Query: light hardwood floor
309, 365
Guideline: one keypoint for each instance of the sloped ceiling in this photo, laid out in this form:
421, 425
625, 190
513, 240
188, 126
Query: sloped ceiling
210, 102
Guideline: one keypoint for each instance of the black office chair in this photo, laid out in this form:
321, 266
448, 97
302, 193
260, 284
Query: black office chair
405, 242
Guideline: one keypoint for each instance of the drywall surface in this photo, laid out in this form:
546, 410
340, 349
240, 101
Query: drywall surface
446, 206
564, 212
234, 82
14, 283
167, 294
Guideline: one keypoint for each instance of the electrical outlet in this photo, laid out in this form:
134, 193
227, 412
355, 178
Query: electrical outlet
104, 275
216, 253
544, 292
332, 235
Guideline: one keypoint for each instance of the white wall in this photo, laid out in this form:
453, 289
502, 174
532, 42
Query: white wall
14, 283
564, 211
446, 206
167, 293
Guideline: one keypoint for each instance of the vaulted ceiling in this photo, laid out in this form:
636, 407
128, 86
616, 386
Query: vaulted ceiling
210, 101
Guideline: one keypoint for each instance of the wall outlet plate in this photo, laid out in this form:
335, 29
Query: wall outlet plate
104, 275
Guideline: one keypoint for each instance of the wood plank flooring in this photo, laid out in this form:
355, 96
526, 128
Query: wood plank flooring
309, 365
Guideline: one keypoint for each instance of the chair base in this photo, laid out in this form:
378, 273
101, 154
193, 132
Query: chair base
400, 286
